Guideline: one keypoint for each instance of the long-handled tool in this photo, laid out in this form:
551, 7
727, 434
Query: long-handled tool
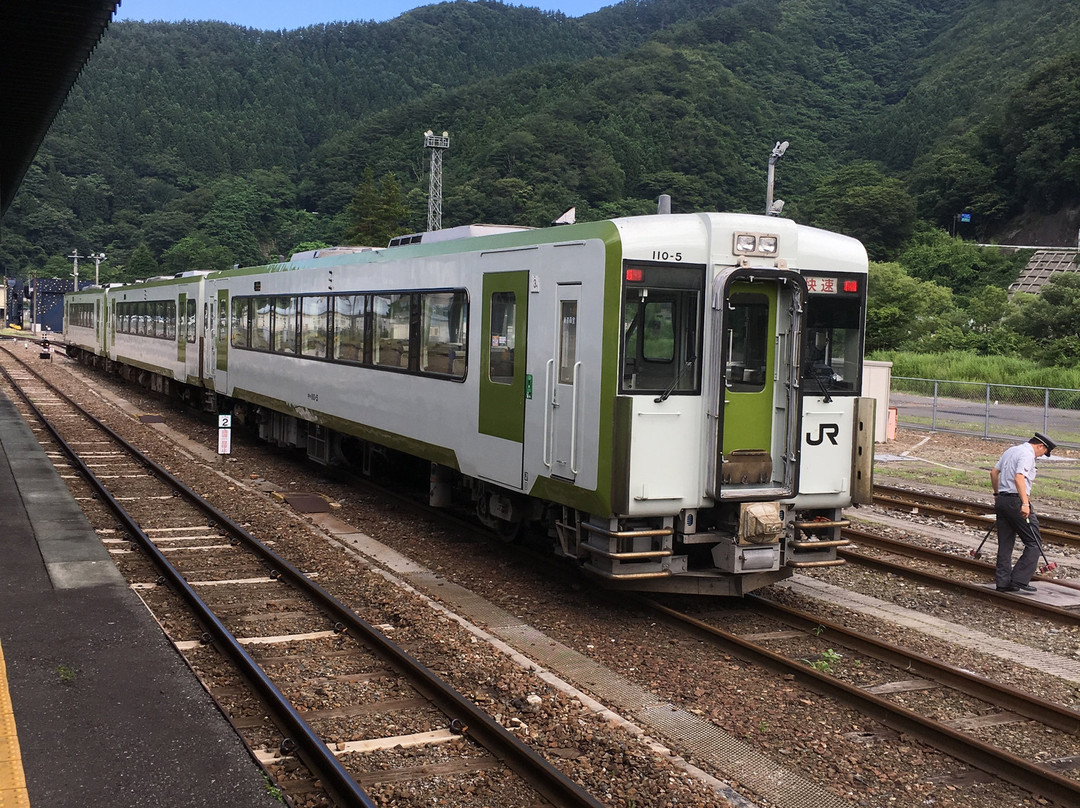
977, 552
1049, 566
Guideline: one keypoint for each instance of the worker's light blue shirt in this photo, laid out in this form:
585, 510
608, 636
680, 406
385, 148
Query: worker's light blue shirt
1018, 459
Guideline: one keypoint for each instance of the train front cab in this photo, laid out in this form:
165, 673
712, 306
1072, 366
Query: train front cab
706, 429
713, 399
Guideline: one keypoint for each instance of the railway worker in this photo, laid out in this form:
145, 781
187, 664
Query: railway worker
1011, 480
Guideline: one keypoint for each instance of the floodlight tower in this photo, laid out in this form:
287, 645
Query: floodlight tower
98, 258
774, 158
437, 144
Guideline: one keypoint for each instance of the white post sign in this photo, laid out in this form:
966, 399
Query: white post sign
224, 434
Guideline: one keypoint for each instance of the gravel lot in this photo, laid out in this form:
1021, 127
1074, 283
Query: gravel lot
845, 754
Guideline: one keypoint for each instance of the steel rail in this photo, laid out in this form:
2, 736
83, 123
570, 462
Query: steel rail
1020, 603
997, 762
1008, 698
470, 719
929, 554
973, 513
315, 754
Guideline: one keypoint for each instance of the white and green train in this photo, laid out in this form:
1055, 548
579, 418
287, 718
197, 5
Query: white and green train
675, 397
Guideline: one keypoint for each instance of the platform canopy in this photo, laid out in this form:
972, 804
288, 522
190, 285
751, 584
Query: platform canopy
46, 43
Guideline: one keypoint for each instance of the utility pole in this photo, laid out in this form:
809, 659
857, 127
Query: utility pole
75, 256
98, 258
437, 144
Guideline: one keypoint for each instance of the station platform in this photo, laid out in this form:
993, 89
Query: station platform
96, 706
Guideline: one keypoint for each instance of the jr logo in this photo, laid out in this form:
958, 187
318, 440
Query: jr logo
824, 430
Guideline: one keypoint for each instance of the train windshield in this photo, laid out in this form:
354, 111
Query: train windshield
662, 330
834, 335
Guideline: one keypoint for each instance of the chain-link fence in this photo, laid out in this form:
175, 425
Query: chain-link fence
1001, 411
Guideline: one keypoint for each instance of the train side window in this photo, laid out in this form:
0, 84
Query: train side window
747, 342
168, 319
833, 344
501, 358
192, 318
658, 338
391, 335
240, 316
261, 326
443, 327
140, 318
313, 321
567, 341
349, 327
285, 324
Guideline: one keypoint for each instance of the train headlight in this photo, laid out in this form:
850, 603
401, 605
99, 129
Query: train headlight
745, 244
761, 244
766, 245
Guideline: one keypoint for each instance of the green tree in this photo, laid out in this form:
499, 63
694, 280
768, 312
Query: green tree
987, 307
958, 177
305, 246
1039, 133
241, 220
903, 313
1052, 320
934, 255
861, 201
142, 263
196, 252
376, 213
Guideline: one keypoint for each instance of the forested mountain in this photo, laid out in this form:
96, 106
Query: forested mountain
201, 145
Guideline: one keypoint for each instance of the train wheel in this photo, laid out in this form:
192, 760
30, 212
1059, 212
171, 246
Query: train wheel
509, 532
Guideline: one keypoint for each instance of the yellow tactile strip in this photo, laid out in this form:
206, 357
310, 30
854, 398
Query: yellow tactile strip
12, 780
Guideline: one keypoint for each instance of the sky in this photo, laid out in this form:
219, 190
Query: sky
273, 15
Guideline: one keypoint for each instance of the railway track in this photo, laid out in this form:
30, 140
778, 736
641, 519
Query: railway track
250, 605
973, 513
283, 659
978, 580
883, 681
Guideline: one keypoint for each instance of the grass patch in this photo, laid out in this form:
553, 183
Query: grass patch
970, 367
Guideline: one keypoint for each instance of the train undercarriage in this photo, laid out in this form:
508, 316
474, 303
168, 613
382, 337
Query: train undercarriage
728, 550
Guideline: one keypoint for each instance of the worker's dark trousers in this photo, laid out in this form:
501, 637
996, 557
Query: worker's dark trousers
1010, 524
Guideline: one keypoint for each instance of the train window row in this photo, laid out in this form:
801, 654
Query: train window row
421, 332
156, 318
81, 314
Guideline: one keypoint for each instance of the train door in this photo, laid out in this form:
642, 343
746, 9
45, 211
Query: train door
503, 387
218, 359
563, 382
755, 336
749, 326
181, 330
206, 344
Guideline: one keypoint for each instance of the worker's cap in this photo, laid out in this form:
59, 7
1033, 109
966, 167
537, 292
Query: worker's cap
1045, 441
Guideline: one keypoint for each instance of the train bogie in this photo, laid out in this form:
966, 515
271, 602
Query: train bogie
674, 397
